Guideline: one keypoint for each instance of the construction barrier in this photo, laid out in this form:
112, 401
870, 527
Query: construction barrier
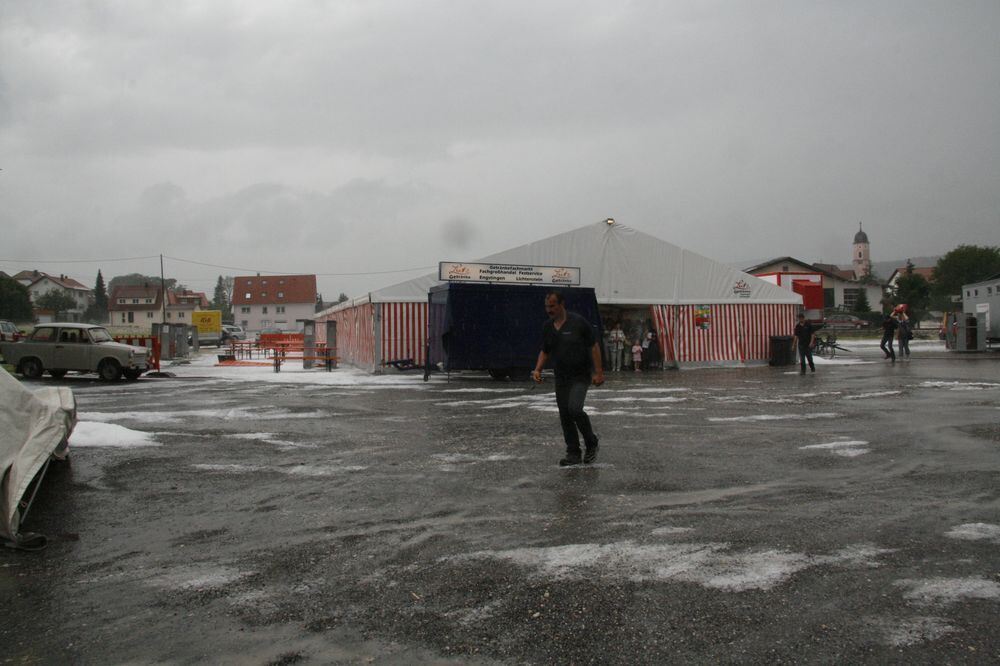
150, 343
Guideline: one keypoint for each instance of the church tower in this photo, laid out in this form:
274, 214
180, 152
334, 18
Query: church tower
860, 257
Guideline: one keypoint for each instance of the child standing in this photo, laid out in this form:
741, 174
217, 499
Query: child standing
637, 355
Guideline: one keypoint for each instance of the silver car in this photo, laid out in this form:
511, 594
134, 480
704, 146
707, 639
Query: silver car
60, 348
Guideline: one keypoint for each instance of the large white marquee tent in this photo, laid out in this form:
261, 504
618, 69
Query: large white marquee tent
705, 312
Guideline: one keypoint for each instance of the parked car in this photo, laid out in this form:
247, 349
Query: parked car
845, 322
8, 331
63, 347
232, 332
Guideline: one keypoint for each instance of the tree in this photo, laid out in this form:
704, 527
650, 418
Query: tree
220, 299
138, 280
861, 304
15, 301
914, 290
58, 301
343, 297
97, 311
963, 265
319, 303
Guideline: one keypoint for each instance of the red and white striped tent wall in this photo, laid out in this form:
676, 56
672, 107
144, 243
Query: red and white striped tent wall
374, 335
705, 313
720, 334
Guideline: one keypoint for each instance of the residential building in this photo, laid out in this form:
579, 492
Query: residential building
840, 289
138, 307
39, 284
280, 302
926, 271
182, 304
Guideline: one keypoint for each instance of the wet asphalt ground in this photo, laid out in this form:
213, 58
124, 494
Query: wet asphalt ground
734, 516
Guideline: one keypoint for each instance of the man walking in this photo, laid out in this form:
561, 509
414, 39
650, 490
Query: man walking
805, 338
889, 326
568, 339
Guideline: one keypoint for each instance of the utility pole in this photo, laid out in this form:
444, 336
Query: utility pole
163, 294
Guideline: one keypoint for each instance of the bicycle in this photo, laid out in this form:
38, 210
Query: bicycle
827, 347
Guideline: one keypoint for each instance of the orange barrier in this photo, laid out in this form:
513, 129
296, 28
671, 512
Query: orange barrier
149, 342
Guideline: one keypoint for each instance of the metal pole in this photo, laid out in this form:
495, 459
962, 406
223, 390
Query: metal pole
163, 294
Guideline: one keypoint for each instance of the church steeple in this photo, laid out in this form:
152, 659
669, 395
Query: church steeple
860, 255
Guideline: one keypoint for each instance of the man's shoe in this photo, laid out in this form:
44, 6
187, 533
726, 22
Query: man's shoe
570, 460
591, 453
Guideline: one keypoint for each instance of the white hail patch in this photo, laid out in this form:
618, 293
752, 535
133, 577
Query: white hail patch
873, 394
975, 532
943, 591
90, 434
960, 386
917, 630
850, 448
776, 417
708, 564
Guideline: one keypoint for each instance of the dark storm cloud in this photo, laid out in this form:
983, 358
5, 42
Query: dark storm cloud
735, 129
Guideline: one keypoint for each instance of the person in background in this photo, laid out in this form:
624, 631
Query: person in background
804, 338
889, 326
637, 355
617, 347
904, 335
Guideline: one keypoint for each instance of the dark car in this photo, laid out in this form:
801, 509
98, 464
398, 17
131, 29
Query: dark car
845, 322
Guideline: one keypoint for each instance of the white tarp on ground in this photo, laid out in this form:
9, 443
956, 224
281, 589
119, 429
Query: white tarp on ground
33, 426
624, 266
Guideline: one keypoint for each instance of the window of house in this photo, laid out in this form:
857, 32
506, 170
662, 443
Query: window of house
244, 323
247, 296
263, 310
784, 268
123, 317
850, 298
280, 309
149, 315
121, 301
131, 317
249, 282
975, 292
149, 300
135, 301
180, 315
244, 310
263, 281
281, 282
263, 294
281, 294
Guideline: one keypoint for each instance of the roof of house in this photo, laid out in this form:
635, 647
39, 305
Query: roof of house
926, 271
837, 271
135, 292
64, 281
187, 297
274, 289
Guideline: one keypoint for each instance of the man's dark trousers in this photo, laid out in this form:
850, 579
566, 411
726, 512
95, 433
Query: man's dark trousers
570, 396
887, 347
805, 353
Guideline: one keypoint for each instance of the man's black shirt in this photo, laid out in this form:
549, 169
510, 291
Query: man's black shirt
570, 347
804, 332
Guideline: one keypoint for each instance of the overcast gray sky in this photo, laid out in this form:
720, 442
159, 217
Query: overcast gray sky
348, 137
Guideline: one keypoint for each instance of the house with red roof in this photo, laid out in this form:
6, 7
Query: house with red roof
39, 284
280, 302
139, 306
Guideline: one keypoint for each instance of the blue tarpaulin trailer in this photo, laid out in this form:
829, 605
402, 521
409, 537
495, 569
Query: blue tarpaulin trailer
495, 327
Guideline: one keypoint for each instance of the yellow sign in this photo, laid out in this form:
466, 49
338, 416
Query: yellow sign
208, 321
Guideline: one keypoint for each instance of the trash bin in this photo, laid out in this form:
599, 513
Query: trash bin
782, 352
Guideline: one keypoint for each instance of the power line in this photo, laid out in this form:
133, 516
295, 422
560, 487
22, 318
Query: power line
76, 261
257, 270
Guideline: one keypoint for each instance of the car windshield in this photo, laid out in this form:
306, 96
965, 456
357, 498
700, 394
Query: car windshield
100, 335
